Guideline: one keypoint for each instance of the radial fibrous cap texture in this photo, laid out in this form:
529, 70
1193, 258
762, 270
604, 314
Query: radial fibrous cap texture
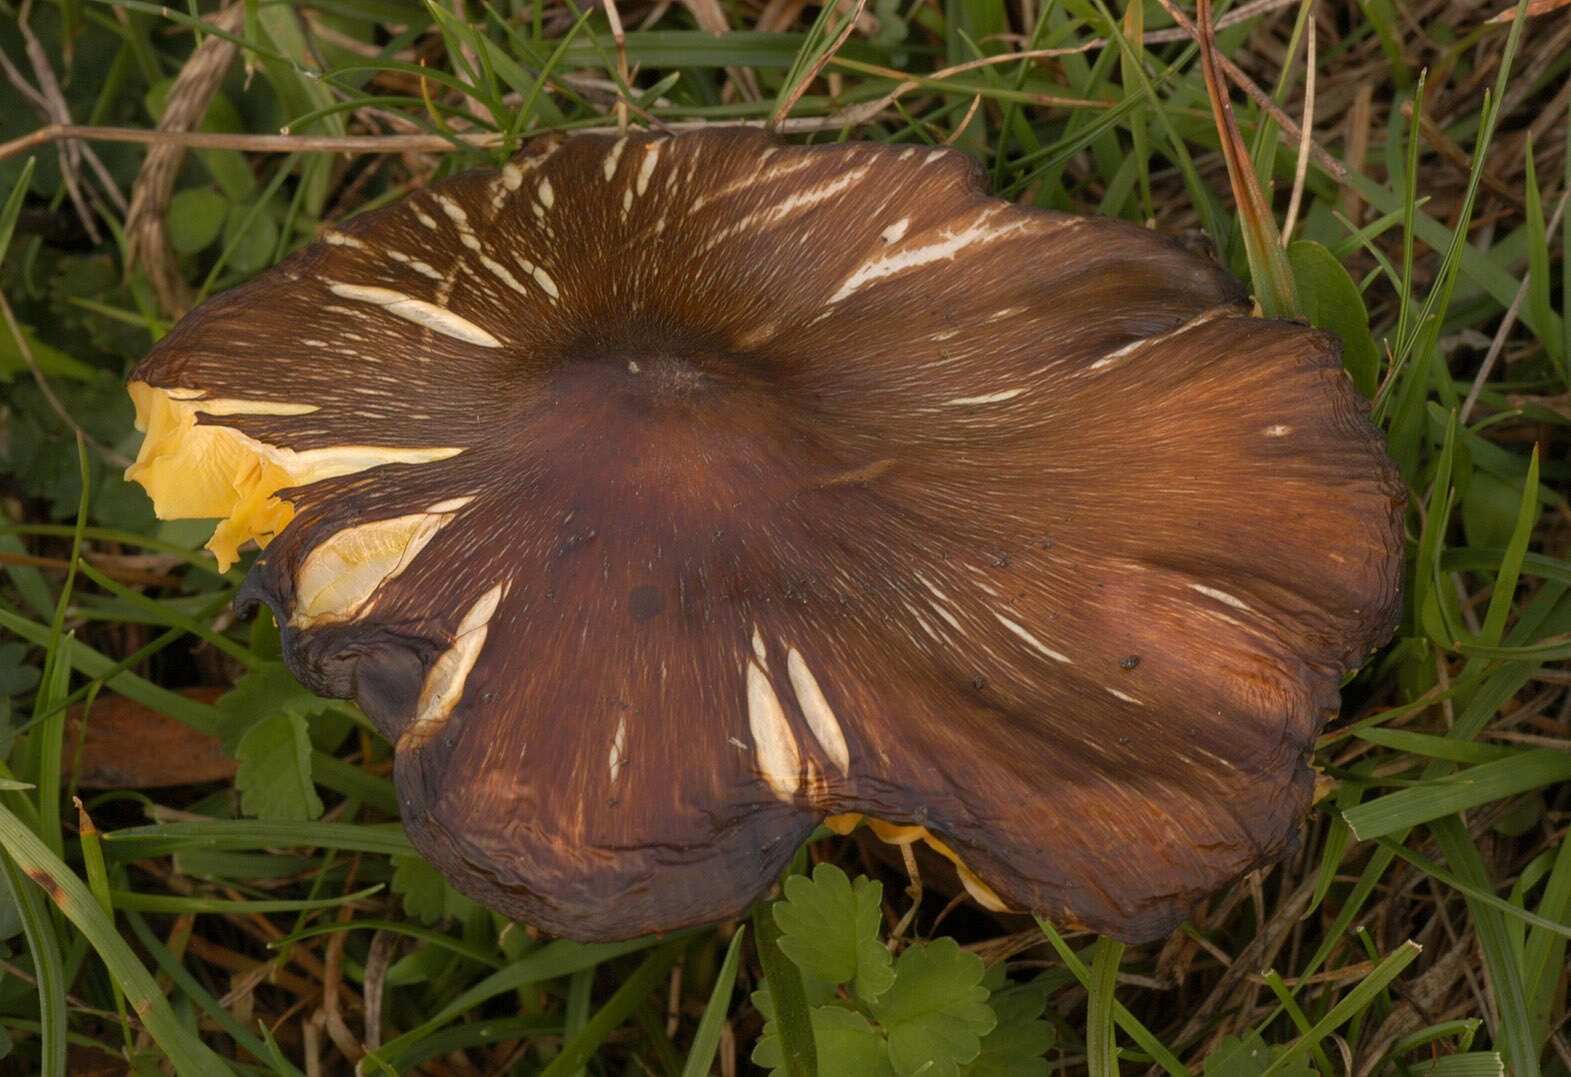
660, 497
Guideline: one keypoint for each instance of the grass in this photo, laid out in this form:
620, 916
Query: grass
1421, 929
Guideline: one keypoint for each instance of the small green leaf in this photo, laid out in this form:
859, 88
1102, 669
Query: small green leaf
249, 239
847, 1043
1017, 1044
267, 691
1249, 1056
1330, 300
275, 770
829, 927
195, 217
16, 676
937, 1011
427, 896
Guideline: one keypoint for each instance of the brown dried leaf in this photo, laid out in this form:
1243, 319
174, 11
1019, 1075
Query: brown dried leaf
131, 746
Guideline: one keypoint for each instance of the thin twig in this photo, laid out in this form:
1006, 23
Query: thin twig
620, 37
212, 140
51, 86
147, 224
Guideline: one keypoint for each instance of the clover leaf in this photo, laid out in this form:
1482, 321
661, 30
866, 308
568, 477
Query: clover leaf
829, 927
936, 1013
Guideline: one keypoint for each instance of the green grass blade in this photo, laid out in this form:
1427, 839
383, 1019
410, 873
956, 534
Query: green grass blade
1352, 1004
13, 205
551, 962
706, 1040
48, 969
1101, 1042
1514, 1036
1483, 895
1544, 951
188, 985
91, 663
1470, 788
179, 1044
175, 904
1503, 600
580, 1048
165, 838
792, 1017
1127, 1021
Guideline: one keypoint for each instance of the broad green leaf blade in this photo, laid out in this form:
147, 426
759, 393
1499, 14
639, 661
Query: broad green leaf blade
1469, 788
1330, 300
181, 1046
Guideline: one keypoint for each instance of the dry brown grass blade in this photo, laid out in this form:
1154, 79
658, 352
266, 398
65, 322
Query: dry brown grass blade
1301, 170
1273, 282
711, 18
623, 76
364, 144
147, 236
1259, 954
211, 140
1534, 7
1290, 130
118, 743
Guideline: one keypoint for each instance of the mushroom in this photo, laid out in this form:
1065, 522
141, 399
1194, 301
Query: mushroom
659, 497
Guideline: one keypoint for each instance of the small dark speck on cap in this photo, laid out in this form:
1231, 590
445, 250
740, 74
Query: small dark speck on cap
645, 602
1129, 663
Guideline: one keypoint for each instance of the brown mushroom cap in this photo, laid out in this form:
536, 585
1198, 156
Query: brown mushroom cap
659, 497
